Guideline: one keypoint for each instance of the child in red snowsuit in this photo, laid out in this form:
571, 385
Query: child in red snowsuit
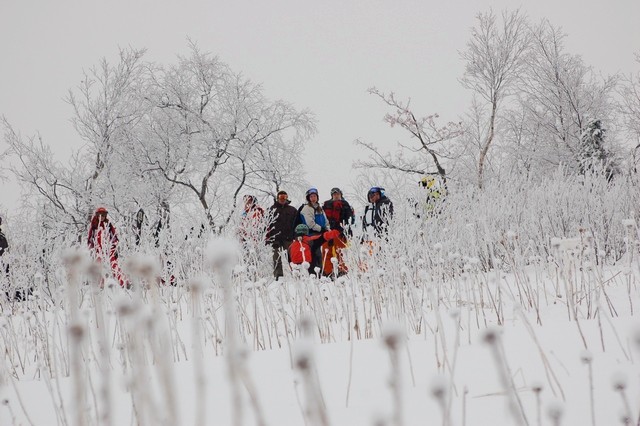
332, 248
103, 243
300, 249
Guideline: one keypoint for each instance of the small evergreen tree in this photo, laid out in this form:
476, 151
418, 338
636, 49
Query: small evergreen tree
593, 155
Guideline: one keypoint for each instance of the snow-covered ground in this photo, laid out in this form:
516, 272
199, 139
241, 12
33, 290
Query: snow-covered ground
450, 365
505, 309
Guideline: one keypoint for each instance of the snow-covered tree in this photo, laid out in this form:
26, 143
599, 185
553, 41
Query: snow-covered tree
629, 109
208, 129
194, 133
560, 97
593, 154
430, 141
494, 59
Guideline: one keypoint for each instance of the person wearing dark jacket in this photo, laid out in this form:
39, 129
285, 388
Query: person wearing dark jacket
339, 212
280, 233
380, 212
4, 244
17, 294
4, 247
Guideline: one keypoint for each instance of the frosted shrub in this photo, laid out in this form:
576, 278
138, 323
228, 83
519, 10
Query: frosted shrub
509, 254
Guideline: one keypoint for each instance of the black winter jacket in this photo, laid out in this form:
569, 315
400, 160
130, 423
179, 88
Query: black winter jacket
284, 217
381, 214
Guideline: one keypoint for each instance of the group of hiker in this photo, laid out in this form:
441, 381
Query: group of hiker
314, 234
311, 236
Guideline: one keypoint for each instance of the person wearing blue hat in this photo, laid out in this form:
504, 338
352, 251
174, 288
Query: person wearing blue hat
381, 211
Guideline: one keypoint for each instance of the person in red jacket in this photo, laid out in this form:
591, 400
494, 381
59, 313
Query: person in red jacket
252, 216
299, 250
332, 249
103, 244
340, 213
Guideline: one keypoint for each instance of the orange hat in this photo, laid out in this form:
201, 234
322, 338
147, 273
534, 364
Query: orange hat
330, 235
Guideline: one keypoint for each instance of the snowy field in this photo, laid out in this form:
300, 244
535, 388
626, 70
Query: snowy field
137, 272
489, 313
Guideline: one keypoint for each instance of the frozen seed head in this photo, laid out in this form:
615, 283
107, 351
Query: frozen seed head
537, 387
555, 410
144, 265
112, 284
625, 418
242, 352
303, 357
635, 336
76, 332
586, 356
628, 223
196, 285
124, 306
73, 257
490, 336
379, 420
393, 335
438, 387
306, 325
222, 253
619, 381
94, 271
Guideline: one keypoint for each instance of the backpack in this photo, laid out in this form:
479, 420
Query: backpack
4, 245
299, 218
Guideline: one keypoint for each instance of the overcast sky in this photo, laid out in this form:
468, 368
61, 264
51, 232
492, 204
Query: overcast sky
317, 55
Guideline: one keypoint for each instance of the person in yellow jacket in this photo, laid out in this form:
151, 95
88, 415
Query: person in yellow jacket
435, 194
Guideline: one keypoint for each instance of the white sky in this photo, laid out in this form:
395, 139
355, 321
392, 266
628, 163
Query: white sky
322, 57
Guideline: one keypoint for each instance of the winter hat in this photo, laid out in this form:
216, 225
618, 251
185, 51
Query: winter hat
311, 191
281, 192
336, 191
249, 198
330, 235
101, 210
373, 190
301, 229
